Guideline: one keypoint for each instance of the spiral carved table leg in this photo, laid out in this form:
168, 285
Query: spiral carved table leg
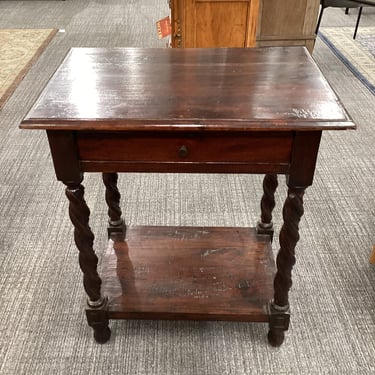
267, 204
289, 236
79, 214
112, 197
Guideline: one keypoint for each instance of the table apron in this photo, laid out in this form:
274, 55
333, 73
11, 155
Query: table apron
291, 153
185, 152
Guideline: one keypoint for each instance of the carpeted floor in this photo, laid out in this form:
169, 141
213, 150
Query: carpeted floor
43, 329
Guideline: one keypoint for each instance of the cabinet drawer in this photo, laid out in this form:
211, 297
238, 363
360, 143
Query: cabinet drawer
257, 147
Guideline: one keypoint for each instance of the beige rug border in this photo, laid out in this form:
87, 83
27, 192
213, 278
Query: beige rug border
341, 38
10, 90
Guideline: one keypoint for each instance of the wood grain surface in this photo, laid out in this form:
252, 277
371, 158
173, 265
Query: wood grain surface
188, 89
189, 273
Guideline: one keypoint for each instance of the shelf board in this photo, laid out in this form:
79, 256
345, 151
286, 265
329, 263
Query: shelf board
202, 273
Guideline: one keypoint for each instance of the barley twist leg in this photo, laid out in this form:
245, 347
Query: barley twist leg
112, 197
79, 214
289, 236
267, 204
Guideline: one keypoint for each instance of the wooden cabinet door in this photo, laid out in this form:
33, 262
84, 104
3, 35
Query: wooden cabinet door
214, 23
287, 22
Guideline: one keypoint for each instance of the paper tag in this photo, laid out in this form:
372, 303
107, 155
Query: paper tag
164, 27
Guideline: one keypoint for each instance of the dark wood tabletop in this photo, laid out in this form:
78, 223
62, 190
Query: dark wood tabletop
243, 89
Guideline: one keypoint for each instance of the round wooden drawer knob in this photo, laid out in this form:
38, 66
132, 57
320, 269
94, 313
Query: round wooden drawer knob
183, 151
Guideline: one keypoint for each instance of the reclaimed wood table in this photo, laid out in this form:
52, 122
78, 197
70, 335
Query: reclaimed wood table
191, 111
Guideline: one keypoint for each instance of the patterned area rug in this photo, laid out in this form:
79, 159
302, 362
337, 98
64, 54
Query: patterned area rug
358, 55
19, 48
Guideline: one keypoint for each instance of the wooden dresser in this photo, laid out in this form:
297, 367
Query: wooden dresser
243, 23
287, 23
214, 23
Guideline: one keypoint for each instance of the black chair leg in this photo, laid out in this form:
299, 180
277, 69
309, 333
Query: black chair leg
319, 19
357, 23
346, 10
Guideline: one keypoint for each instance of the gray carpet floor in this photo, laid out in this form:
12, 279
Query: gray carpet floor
43, 329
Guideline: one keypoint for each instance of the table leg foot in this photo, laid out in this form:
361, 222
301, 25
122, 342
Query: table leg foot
276, 337
98, 320
278, 324
102, 334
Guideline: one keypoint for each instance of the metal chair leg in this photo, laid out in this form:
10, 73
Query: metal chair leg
319, 19
357, 23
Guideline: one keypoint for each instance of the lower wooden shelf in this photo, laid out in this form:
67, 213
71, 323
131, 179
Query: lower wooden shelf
203, 273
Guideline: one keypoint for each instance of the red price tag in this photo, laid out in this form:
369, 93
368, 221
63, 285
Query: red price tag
164, 27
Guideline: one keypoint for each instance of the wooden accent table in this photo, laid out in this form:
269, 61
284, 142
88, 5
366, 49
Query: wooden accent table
187, 110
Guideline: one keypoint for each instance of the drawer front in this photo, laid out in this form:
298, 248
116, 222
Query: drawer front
257, 147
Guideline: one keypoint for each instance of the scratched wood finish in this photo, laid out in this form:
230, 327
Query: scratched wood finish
168, 89
189, 273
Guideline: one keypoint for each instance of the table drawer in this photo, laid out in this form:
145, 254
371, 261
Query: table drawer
259, 147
